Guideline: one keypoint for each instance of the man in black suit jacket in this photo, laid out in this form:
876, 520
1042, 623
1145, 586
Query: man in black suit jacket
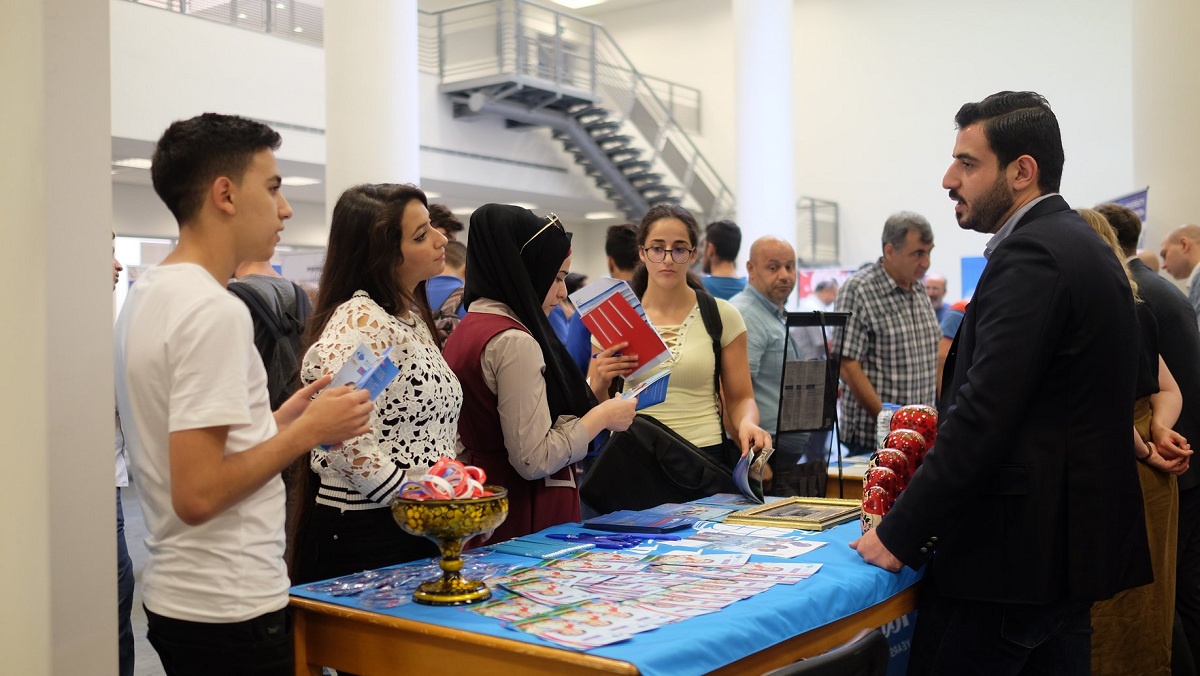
1179, 345
1029, 508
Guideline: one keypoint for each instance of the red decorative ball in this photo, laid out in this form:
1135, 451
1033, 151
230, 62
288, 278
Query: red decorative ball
919, 418
883, 477
910, 442
875, 504
895, 461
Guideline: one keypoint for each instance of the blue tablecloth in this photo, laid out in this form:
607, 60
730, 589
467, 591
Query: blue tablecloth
843, 586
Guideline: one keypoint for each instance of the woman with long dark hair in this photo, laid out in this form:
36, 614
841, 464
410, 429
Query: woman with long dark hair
528, 414
382, 248
667, 240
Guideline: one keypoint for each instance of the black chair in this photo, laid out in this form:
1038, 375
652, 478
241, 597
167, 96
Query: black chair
864, 655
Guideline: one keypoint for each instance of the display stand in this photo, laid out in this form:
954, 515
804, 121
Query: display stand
808, 401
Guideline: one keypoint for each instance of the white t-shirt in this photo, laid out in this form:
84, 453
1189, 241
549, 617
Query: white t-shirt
185, 359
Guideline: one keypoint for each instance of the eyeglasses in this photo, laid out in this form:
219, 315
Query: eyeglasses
658, 254
550, 220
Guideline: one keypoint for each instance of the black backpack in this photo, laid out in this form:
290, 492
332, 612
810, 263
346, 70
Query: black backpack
277, 338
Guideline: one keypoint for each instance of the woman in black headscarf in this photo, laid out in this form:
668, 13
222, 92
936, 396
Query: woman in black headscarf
527, 414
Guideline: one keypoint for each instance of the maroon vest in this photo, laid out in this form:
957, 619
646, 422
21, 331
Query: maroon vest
532, 505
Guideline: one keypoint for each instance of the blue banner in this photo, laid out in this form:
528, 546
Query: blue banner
1135, 202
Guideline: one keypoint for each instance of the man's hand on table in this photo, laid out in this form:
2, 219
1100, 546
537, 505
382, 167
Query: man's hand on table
871, 549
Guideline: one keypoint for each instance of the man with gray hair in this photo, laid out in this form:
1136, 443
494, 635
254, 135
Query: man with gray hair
889, 345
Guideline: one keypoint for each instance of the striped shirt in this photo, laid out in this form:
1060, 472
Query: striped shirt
893, 334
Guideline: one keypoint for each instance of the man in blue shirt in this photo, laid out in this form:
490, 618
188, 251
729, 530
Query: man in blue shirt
722, 241
772, 276
444, 292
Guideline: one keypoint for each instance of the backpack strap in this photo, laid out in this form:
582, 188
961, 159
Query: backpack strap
303, 306
711, 316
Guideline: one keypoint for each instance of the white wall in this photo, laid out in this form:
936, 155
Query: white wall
166, 66
878, 83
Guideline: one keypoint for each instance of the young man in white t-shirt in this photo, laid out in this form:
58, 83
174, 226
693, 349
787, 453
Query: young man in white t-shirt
205, 448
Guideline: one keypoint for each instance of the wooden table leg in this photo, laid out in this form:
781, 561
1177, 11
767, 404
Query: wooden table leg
300, 642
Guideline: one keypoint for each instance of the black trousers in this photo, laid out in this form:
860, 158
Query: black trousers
261, 646
958, 637
337, 543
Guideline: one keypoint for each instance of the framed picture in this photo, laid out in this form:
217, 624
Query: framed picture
803, 513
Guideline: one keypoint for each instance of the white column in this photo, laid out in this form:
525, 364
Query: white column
1166, 94
371, 89
59, 530
766, 173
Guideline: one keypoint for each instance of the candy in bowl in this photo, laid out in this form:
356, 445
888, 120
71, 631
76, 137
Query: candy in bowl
450, 523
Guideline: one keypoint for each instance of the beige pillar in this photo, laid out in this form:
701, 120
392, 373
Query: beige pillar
766, 149
1166, 101
371, 77
57, 504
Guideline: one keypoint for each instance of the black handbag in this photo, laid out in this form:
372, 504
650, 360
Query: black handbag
648, 465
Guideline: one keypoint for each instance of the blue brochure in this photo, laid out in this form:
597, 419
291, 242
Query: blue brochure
630, 521
366, 372
650, 391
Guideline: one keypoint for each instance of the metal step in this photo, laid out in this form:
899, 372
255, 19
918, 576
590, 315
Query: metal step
622, 154
630, 166
646, 181
590, 114
613, 142
656, 192
601, 128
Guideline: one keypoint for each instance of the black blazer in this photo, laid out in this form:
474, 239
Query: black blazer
1031, 493
1179, 345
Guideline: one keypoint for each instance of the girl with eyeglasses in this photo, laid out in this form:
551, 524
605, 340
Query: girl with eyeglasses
667, 240
528, 415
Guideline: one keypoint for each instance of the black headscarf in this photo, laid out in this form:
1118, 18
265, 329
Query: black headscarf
498, 269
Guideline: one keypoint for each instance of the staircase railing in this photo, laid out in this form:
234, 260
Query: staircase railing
291, 19
529, 45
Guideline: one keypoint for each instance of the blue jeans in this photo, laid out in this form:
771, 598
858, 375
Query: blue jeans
957, 636
124, 596
261, 646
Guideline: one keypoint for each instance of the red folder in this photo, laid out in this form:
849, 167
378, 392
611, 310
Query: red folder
614, 321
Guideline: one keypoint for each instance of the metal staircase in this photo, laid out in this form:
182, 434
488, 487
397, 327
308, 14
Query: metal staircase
537, 67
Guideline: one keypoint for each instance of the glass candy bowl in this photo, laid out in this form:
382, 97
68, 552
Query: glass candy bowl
450, 523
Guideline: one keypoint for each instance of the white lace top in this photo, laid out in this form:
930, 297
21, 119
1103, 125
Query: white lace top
415, 420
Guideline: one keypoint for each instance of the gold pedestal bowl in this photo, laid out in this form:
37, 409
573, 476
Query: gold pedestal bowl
450, 523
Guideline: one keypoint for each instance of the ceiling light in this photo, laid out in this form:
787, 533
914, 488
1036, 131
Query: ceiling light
525, 205
429, 194
462, 211
241, 16
298, 29
296, 181
578, 4
133, 163
601, 215
280, 5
